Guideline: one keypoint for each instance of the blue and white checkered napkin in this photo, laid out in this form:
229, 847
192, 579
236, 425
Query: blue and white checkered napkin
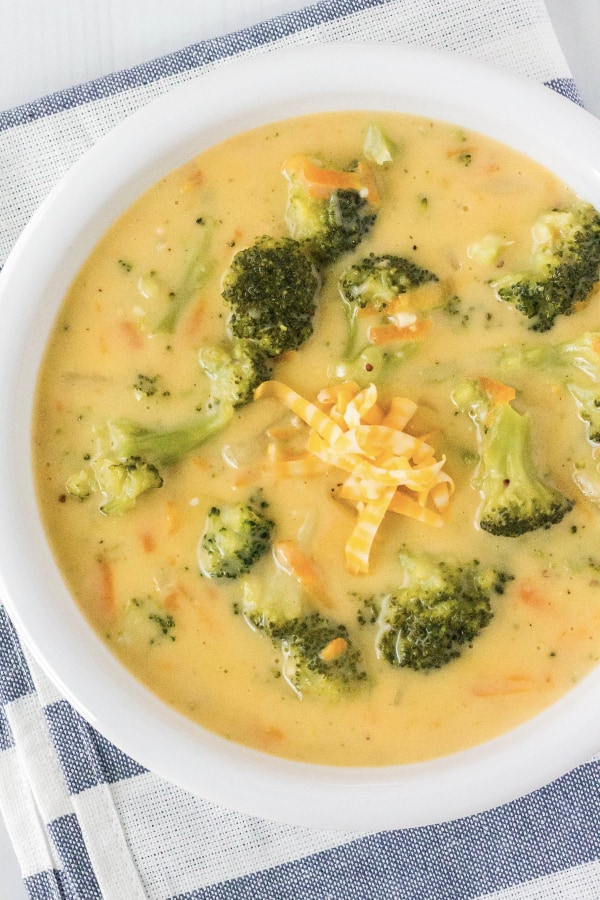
87, 821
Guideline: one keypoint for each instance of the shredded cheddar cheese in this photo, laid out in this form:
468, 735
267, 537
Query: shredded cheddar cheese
388, 469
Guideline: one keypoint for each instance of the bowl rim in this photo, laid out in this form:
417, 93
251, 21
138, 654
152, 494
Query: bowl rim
161, 135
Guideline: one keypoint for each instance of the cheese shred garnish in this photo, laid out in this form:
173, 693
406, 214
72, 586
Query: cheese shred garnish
387, 469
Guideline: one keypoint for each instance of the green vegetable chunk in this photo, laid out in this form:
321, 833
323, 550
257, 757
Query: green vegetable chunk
374, 283
515, 500
318, 657
235, 536
441, 606
377, 280
271, 289
327, 218
564, 267
120, 482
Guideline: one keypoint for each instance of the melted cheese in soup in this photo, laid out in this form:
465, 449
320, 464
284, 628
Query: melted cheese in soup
136, 576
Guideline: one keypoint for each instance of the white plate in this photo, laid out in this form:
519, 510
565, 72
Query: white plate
159, 137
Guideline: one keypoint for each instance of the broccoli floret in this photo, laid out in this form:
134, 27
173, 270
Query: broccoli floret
235, 536
119, 481
564, 266
317, 654
378, 146
515, 500
329, 211
145, 622
374, 285
587, 401
570, 360
130, 457
378, 280
236, 372
440, 607
233, 376
271, 288
268, 603
581, 353
488, 250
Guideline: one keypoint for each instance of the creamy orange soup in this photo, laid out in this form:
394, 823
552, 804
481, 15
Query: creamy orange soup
136, 576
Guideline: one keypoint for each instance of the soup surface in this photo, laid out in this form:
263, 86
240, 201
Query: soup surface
126, 345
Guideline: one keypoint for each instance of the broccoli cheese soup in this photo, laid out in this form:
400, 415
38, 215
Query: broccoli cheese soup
316, 439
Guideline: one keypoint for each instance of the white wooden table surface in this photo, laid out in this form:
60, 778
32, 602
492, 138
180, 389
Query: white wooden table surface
46, 46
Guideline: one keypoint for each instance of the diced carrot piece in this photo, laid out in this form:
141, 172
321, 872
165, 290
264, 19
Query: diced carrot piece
132, 334
107, 584
293, 560
148, 542
171, 601
173, 517
334, 649
195, 321
512, 684
531, 596
386, 334
321, 182
200, 462
499, 392
194, 179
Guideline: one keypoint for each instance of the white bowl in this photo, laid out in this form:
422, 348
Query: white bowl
159, 137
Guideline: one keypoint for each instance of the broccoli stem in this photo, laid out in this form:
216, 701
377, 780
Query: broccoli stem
515, 499
195, 277
168, 446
